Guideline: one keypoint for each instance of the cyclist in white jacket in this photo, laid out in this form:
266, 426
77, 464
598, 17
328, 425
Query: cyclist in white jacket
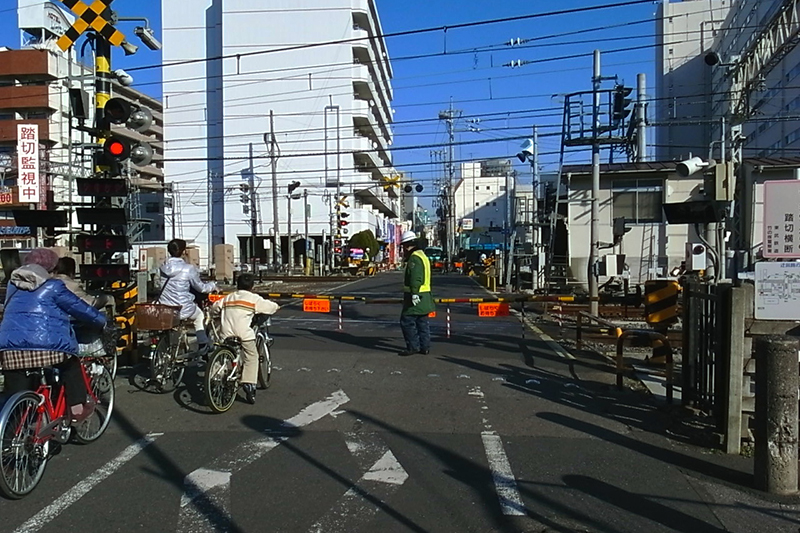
178, 277
236, 312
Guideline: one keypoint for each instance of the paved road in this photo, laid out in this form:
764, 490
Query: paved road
490, 432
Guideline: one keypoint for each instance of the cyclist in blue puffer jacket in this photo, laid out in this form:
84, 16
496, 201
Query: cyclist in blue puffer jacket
35, 331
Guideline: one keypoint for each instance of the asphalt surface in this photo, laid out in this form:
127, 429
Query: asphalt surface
491, 432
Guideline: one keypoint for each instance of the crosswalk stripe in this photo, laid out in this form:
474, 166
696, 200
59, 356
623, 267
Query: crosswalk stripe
43, 517
205, 504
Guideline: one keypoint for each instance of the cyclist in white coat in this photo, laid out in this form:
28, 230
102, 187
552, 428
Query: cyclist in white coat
236, 313
177, 278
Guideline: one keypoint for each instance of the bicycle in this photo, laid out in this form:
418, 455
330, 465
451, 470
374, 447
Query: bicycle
31, 420
224, 369
170, 353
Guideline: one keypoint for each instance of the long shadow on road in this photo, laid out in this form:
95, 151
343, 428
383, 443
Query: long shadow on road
603, 400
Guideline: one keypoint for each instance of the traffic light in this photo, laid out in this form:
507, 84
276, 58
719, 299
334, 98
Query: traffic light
293, 185
621, 102
116, 148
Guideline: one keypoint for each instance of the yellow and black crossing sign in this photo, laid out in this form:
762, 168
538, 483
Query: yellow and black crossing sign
97, 16
661, 302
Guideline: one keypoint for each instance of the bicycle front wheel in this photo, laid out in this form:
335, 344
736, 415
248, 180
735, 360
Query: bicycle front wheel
220, 388
264, 363
102, 389
165, 372
23, 457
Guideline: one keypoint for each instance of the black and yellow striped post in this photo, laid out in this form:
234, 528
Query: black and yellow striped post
661, 303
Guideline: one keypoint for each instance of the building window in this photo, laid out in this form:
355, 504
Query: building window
502, 187
488, 188
793, 73
639, 201
152, 207
793, 136
494, 203
477, 204
487, 203
477, 220
477, 187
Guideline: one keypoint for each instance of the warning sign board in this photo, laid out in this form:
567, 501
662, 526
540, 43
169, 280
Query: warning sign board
493, 309
661, 302
317, 306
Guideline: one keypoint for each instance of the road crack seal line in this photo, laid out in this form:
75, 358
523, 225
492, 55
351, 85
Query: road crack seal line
504, 481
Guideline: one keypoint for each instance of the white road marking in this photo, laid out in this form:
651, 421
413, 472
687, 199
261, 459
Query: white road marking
504, 481
43, 517
354, 510
205, 504
551, 343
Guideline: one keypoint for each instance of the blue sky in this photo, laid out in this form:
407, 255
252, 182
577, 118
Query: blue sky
477, 82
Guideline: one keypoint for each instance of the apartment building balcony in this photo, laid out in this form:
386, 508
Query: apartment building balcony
27, 97
364, 89
365, 17
365, 132
365, 121
8, 130
378, 199
366, 159
28, 65
364, 53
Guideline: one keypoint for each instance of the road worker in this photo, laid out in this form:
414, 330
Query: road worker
417, 297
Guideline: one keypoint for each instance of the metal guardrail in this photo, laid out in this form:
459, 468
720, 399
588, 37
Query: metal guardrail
621, 335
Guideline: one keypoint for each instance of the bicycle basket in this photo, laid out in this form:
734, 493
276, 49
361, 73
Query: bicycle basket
157, 316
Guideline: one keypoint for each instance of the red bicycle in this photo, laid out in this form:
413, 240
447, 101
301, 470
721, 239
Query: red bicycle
34, 423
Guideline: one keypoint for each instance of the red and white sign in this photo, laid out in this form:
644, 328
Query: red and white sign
28, 163
492, 309
316, 306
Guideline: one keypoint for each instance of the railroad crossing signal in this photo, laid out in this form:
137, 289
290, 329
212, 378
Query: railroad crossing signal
96, 16
391, 181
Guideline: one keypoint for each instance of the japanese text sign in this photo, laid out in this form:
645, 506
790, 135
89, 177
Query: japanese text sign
317, 306
28, 163
782, 219
493, 309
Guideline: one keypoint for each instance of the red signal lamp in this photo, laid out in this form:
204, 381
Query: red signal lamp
117, 149
105, 272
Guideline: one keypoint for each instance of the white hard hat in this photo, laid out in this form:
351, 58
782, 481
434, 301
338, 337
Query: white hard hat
408, 236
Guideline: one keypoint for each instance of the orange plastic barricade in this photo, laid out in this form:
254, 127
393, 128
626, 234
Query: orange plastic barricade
432, 314
493, 309
317, 306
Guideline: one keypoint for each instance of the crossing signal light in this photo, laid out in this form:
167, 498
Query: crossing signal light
343, 223
102, 243
105, 272
116, 148
621, 102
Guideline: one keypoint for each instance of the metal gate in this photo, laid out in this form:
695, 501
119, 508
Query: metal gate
704, 334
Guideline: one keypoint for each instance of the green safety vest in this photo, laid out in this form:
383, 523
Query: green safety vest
426, 284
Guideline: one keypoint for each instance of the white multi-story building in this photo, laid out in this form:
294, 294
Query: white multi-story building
685, 32
482, 196
318, 77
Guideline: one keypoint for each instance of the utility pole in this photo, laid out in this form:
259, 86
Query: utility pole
641, 118
305, 213
594, 238
277, 257
449, 116
253, 215
535, 233
289, 232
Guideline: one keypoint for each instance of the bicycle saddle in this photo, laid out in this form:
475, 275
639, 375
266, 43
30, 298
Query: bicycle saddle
233, 341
